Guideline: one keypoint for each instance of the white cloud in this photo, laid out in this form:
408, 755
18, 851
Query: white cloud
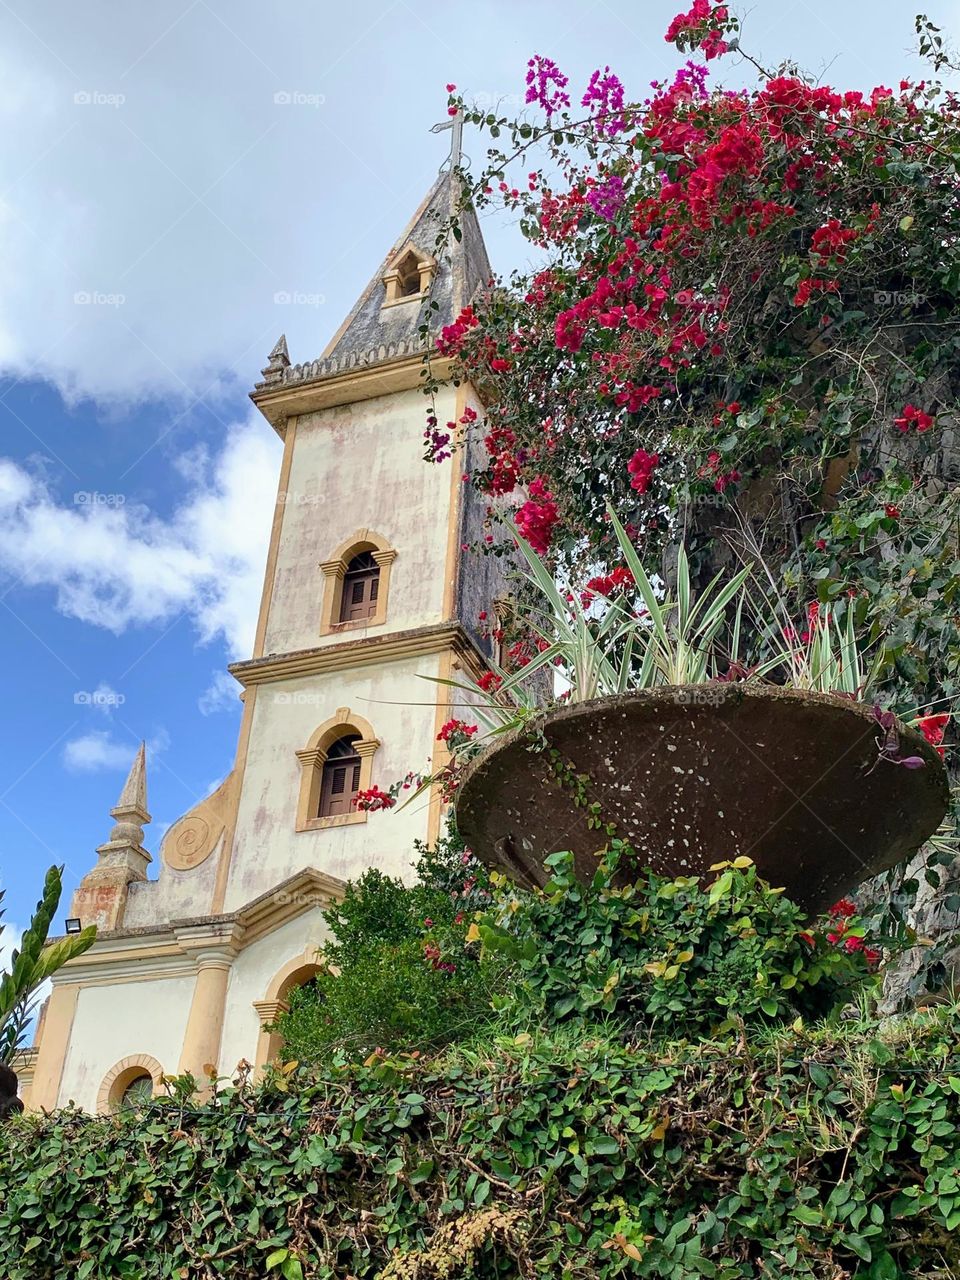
222, 694
96, 751
99, 751
117, 565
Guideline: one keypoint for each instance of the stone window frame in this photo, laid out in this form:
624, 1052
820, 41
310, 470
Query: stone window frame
312, 758
122, 1074
334, 570
426, 266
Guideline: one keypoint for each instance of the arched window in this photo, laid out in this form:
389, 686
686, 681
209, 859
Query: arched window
335, 764
409, 275
409, 271
341, 777
361, 588
129, 1084
356, 583
137, 1092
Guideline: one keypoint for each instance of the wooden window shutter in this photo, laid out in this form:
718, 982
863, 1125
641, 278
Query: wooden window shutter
361, 588
340, 781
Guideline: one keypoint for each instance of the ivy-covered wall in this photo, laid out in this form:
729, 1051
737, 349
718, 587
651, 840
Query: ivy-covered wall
804, 1154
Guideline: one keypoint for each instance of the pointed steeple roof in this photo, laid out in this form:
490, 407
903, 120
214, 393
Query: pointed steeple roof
381, 328
133, 797
130, 812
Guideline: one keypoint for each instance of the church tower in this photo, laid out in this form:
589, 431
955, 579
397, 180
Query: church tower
366, 590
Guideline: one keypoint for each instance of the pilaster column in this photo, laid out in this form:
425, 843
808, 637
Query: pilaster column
52, 1046
268, 1043
201, 1041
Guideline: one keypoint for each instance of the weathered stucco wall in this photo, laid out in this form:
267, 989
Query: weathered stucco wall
268, 847
360, 467
119, 1021
176, 895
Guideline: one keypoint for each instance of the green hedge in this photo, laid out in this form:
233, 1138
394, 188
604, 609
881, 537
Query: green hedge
820, 1154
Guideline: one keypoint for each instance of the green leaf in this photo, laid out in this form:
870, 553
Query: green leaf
819, 1075
859, 1246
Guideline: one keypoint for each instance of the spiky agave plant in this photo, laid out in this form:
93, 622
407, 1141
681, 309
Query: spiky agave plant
32, 963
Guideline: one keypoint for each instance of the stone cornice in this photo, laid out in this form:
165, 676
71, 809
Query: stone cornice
389, 647
338, 380
180, 948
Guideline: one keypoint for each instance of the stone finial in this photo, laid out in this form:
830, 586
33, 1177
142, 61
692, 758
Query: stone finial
277, 361
102, 895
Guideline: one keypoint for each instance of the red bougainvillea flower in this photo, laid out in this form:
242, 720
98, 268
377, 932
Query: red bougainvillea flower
538, 517
912, 417
821, 544
641, 467
933, 729
456, 731
843, 909
452, 335
489, 682
606, 584
373, 799
892, 511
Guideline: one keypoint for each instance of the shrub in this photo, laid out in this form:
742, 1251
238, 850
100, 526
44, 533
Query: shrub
810, 1155
668, 955
399, 974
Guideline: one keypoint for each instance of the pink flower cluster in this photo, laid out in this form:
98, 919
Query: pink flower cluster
701, 27
546, 85
604, 97
607, 197
452, 335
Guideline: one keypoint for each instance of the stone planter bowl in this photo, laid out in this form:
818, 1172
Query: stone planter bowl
693, 775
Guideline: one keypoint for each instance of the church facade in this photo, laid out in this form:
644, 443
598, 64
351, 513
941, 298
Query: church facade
366, 589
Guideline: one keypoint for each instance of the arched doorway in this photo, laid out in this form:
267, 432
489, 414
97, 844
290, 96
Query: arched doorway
296, 973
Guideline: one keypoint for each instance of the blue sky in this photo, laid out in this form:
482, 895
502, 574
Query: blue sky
179, 183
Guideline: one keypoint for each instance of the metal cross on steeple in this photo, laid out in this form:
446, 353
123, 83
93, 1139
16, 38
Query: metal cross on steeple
455, 125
